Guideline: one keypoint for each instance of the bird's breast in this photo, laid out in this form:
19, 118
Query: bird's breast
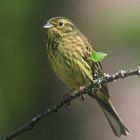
69, 65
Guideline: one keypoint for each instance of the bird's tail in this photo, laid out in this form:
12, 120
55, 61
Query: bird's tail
102, 97
112, 116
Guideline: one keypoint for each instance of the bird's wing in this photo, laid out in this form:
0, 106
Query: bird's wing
95, 67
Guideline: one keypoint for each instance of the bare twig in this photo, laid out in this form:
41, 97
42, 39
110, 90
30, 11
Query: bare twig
87, 90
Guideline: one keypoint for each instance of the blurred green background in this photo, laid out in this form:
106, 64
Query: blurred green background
29, 86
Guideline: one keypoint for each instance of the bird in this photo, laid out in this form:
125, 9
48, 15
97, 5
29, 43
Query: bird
68, 52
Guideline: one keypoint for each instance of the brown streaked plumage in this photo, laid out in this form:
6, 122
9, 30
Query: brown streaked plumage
68, 52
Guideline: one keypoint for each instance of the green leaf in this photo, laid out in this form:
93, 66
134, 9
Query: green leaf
97, 56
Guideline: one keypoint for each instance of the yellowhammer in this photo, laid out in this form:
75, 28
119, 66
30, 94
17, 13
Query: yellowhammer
68, 52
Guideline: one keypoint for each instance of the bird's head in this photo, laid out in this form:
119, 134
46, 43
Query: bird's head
59, 26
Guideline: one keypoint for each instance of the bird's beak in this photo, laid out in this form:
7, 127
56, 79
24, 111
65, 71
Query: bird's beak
48, 25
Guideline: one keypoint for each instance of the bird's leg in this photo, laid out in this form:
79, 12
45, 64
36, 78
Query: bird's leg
82, 96
65, 98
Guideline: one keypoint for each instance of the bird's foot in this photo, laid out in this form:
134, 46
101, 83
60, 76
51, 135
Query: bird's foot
65, 98
82, 96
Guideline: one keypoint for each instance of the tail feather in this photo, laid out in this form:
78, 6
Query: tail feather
102, 97
113, 118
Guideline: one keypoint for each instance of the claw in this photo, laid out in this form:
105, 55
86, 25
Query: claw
65, 99
82, 96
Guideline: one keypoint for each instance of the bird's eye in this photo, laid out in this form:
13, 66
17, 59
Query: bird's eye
61, 23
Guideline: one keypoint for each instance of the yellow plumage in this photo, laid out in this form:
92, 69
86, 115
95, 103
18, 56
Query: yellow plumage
68, 52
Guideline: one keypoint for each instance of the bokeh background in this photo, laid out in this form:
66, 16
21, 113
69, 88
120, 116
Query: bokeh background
28, 85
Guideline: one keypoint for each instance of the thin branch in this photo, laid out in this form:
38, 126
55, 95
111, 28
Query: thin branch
87, 90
